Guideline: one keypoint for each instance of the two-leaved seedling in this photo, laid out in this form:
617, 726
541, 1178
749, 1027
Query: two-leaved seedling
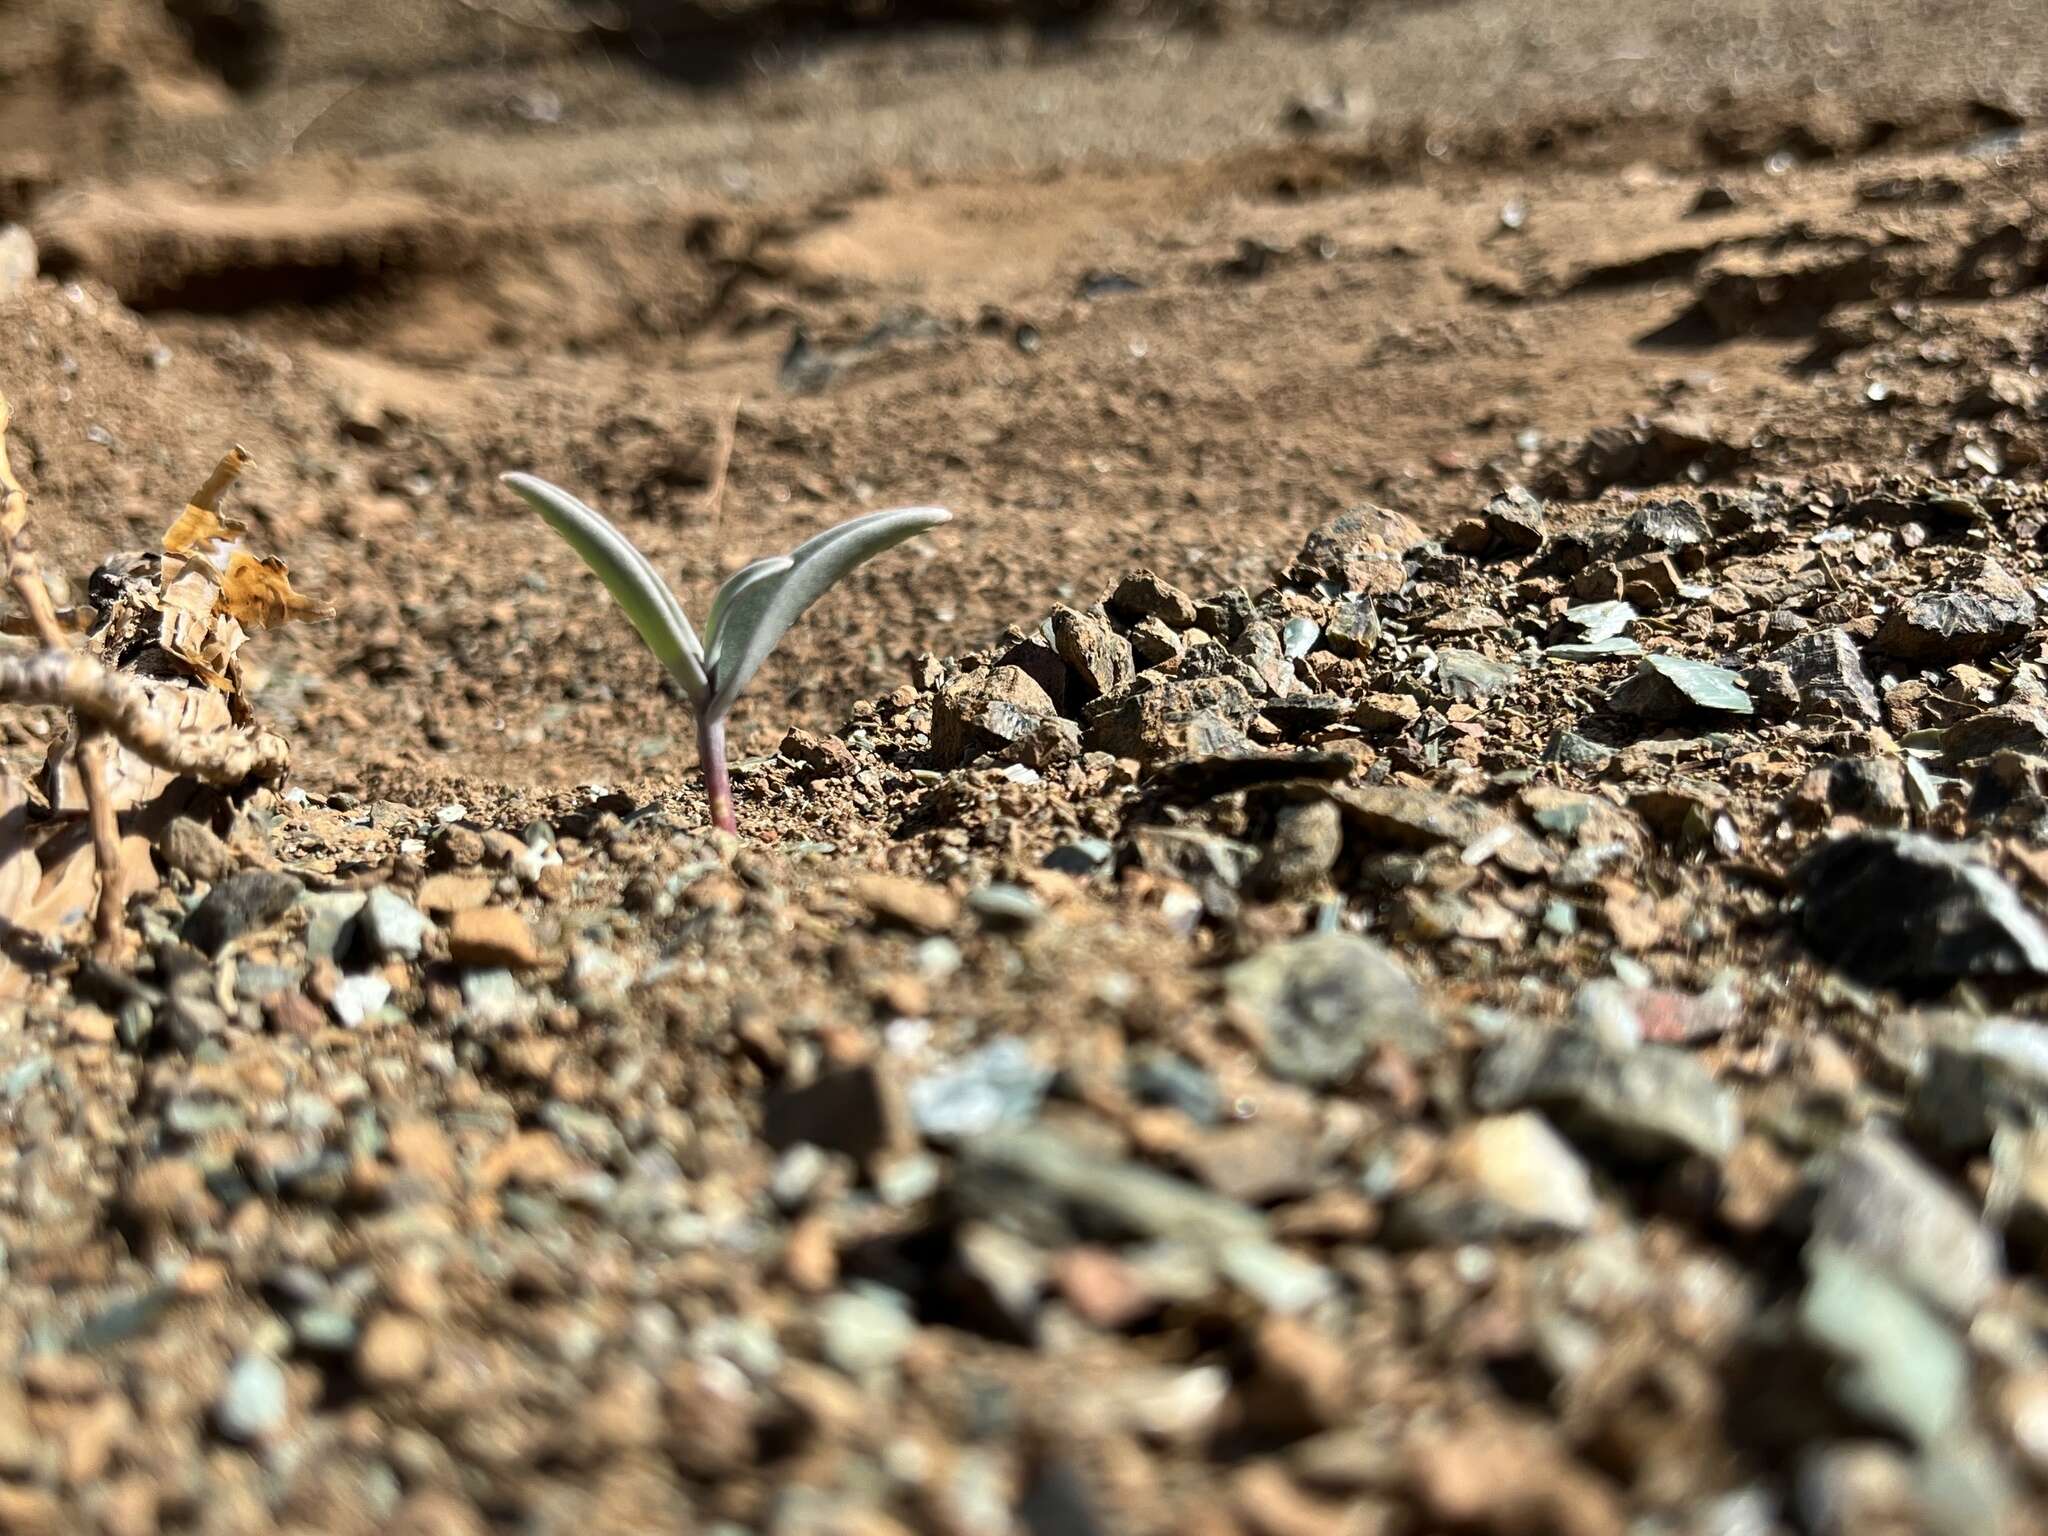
750, 613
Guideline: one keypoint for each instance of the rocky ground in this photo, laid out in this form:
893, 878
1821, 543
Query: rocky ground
1526, 1030
1427, 915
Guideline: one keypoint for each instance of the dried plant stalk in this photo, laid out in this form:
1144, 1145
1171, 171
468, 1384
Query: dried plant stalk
231, 464
22, 574
109, 931
109, 937
122, 708
721, 460
73, 621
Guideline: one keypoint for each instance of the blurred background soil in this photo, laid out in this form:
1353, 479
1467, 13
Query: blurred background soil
1119, 283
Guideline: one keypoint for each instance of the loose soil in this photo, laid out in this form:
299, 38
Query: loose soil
1123, 287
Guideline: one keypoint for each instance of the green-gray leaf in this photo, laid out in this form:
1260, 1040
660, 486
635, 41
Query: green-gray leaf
756, 619
741, 581
628, 576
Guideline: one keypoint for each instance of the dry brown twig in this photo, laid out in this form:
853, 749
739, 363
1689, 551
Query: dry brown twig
122, 708
109, 934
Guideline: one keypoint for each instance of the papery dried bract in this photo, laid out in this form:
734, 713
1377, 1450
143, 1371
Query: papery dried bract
20, 874
131, 779
62, 898
214, 591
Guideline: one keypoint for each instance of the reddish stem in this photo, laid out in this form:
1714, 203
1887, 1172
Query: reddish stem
717, 780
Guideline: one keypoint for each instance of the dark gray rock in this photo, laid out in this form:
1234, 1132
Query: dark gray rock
1358, 552
2012, 728
1673, 688
987, 713
1256, 676
1099, 658
1512, 524
1651, 1104
1056, 1501
1157, 719
1224, 616
1162, 1077
857, 1110
1318, 1005
1889, 1210
1666, 526
1297, 858
1900, 909
1353, 629
1083, 856
1568, 749
1049, 1189
1978, 1077
1873, 788
1299, 714
2012, 789
1263, 651
1827, 669
237, 905
1470, 678
1976, 613
1143, 595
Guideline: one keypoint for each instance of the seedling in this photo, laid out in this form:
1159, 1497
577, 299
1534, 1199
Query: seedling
750, 613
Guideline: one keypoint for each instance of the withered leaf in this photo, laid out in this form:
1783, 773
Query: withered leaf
258, 594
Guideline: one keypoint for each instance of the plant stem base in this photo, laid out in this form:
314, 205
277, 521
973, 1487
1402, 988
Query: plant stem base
717, 778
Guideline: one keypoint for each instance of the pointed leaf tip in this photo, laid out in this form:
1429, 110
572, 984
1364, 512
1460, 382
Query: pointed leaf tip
627, 575
751, 626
